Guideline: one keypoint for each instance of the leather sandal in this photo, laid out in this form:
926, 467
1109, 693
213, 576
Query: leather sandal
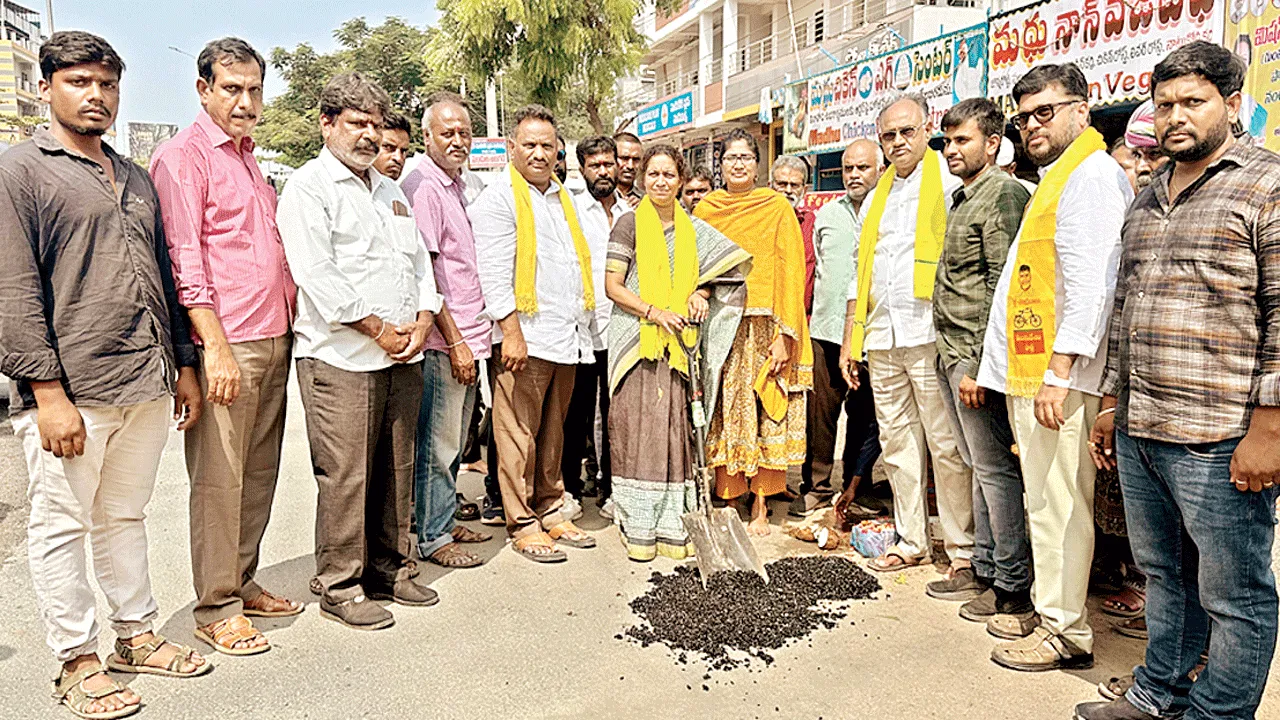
525, 546
69, 690
566, 533
132, 659
225, 633
256, 607
467, 535
452, 556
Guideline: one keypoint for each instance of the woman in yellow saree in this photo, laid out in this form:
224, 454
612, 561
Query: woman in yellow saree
758, 428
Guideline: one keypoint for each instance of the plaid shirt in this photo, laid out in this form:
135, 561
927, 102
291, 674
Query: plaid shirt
981, 225
1195, 334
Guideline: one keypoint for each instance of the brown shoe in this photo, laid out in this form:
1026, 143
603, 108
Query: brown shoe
1039, 651
1015, 626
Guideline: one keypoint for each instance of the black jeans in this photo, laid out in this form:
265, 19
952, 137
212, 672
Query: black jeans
591, 386
862, 433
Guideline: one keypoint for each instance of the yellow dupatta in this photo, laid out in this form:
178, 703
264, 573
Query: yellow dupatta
526, 288
1031, 313
662, 287
931, 232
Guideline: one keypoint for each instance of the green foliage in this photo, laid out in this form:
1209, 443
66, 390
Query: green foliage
25, 124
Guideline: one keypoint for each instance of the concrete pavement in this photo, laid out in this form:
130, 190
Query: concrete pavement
515, 639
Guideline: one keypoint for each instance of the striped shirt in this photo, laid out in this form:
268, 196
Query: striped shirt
1195, 334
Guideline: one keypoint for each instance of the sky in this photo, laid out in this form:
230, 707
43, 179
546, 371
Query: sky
159, 83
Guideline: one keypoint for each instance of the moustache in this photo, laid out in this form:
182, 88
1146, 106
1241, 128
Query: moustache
366, 145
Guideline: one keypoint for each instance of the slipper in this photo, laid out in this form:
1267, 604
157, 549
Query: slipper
295, 608
566, 533
882, 564
1133, 627
452, 556
525, 546
1128, 603
466, 510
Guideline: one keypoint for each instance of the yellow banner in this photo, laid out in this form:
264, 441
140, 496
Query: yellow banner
1253, 33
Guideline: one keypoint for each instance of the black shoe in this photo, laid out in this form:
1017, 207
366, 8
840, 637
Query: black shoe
492, 514
963, 585
981, 608
357, 613
1014, 602
404, 592
1118, 709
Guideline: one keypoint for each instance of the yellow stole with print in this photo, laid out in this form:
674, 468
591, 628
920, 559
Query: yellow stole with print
931, 231
662, 287
526, 288
1031, 312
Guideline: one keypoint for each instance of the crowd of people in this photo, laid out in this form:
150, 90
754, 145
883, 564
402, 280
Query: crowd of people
1030, 338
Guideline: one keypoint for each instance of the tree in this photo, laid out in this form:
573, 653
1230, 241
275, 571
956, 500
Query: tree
393, 54
20, 125
554, 48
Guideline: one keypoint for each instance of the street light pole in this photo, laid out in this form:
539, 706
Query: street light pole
48, 14
180, 51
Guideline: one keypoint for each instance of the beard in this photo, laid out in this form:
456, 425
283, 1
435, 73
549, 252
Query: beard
602, 187
87, 131
1203, 147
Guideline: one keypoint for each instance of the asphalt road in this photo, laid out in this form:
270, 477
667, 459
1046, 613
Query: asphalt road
514, 639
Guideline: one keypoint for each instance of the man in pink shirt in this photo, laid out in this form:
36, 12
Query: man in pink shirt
229, 264
461, 337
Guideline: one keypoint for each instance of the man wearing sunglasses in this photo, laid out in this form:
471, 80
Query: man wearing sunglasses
1045, 349
890, 315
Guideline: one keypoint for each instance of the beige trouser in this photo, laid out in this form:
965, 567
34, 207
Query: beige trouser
911, 411
233, 459
1058, 475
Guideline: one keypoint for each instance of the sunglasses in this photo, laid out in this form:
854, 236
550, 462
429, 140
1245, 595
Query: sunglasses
560, 155
907, 133
1043, 114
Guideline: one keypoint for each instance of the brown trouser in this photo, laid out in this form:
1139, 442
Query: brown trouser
361, 427
528, 426
233, 460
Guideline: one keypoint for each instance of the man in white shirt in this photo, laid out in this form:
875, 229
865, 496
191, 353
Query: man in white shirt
536, 274
897, 334
599, 207
1051, 426
366, 301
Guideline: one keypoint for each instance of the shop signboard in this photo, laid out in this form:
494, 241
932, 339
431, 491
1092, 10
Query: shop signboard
1253, 33
1116, 43
843, 104
795, 106
488, 153
668, 114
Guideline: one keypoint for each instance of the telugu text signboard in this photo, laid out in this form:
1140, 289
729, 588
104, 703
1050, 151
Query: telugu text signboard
488, 153
666, 115
843, 104
1115, 43
1253, 33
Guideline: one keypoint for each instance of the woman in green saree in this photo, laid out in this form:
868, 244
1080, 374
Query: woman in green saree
664, 270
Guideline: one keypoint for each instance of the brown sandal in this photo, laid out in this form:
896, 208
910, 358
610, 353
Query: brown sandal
569, 534
224, 634
257, 607
69, 690
132, 659
453, 556
467, 535
526, 546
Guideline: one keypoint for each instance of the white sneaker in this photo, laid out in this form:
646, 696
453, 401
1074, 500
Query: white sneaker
571, 508
606, 510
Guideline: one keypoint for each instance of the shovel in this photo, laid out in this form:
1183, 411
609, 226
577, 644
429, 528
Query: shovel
718, 535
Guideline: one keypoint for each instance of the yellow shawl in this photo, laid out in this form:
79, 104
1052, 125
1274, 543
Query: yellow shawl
527, 246
661, 287
931, 232
764, 224
1031, 313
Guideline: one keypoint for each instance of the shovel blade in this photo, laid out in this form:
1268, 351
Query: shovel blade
721, 542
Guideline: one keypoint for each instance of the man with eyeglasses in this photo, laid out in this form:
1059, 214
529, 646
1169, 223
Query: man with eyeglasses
889, 314
1045, 349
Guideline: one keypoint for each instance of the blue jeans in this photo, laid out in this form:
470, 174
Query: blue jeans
1179, 504
443, 419
1001, 551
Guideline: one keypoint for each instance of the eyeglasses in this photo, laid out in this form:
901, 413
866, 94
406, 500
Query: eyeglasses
560, 155
907, 134
739, 159
1043, 114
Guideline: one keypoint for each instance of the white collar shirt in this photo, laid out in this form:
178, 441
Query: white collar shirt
896, 318
354, 251
597, 225
1090, 216
562, 329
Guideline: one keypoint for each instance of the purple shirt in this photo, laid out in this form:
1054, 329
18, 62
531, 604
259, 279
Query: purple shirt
440, 209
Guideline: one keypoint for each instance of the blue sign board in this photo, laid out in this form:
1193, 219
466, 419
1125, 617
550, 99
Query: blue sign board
488, 153
665, 115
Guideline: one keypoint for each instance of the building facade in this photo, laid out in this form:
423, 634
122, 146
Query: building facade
20, 38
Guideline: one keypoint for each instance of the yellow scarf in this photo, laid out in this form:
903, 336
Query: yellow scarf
931, 231
527, 247
659, 286
1031, 317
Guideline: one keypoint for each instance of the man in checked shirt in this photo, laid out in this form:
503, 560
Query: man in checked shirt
1192, 396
